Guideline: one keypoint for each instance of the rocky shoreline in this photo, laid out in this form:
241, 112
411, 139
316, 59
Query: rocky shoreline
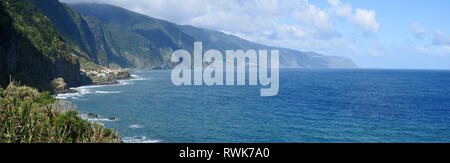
111, 81
108, 82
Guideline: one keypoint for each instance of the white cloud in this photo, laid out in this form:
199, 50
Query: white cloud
366, 20
433, 51
285, 31
417, 31
441, 39
363, 19
318, 19
446, 49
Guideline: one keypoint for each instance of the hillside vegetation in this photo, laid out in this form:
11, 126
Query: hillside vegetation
72, 28
31, 51
27, 116
115, 37
144, 41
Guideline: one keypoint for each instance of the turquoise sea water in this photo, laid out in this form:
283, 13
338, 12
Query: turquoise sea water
312, 106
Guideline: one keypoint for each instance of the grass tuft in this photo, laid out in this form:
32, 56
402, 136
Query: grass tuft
28, 116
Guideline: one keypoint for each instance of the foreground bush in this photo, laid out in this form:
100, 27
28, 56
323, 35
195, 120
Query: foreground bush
28, 116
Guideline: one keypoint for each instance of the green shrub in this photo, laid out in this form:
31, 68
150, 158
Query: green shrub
46, 98
27, 116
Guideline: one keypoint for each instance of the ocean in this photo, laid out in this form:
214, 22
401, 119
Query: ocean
313, 106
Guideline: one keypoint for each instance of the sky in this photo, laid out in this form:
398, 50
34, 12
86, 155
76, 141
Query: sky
398, 34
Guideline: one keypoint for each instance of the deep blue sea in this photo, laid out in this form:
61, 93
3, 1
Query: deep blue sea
312, 106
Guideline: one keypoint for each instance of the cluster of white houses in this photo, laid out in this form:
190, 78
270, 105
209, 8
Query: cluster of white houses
100, 73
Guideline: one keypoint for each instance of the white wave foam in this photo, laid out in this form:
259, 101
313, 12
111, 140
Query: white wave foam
88, 89
107, 92
84, 90
125, 82
68, 96
131, 81
136, 77
80, 92
135, 126
139, 139
101, 120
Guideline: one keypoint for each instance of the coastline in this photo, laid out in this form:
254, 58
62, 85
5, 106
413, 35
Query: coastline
75, 90
74, 93
109, 121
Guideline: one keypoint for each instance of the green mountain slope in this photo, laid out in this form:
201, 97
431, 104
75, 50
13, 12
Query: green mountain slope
31, 51
116, 37
162, 37
71, 27
131, 39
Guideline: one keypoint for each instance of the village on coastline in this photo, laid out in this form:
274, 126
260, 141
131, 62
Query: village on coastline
100, 75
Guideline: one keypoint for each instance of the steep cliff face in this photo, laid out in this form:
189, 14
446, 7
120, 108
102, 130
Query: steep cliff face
129, 39
114, 37
31, 52
71, 26
144, 41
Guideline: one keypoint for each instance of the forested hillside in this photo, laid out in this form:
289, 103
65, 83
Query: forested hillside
115, 37
31, 51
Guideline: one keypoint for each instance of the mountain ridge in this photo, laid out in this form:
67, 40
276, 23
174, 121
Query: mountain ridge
128, 39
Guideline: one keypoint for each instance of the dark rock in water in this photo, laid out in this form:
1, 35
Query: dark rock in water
60, 87
92, 115
111, 118
67, 91
122, 75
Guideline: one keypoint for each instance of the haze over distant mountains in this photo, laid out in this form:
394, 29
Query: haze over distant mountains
116, 37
